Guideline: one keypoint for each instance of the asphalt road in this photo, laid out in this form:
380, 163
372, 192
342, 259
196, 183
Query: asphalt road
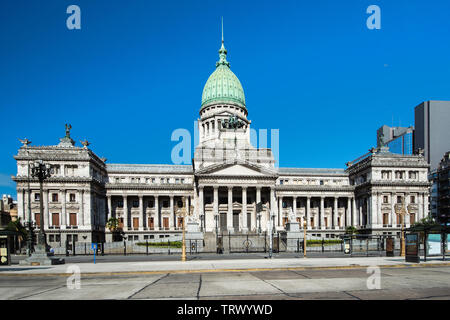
349, 284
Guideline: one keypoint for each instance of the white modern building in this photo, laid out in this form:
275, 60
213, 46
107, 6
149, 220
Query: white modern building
223, 186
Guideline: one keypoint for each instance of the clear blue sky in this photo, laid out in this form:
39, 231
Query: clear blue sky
136, 70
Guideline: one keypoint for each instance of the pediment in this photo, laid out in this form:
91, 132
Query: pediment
236, 169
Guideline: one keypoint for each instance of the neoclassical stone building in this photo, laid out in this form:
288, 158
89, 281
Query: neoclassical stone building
226, 180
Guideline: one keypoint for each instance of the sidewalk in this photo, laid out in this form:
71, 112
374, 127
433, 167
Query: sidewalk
148, 267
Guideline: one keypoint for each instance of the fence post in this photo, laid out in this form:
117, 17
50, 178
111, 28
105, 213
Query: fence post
265, 241
367, 247
124, 248
146, 247
323, 245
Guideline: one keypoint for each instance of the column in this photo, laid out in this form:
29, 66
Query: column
216, 208
272, 210
360, 214
46, 214
141, 212
63, 216
376, 210
230, 209
244, 209
425, 206
392, 217
406, 217
253, 215
80, 217
21, 205
353, 211
335, 213
172, 212
156, 214
261, 221
322, 213
109, 206
347, 213
125, 212
280, 211
308, 212
420, 207
201, 205
294, 207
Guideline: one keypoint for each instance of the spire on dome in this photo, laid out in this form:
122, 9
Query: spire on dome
222, 53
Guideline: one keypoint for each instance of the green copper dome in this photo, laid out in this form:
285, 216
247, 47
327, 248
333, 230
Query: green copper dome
222, 84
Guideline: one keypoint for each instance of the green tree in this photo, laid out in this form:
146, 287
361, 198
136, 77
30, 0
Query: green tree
351, 230
113, 224
18, 227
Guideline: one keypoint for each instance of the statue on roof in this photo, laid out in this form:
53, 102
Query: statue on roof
380, 141
68, 127
25, 142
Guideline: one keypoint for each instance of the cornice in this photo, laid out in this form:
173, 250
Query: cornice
136, 186
314, 188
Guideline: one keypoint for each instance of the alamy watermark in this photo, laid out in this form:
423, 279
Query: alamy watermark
182, 151
74, 280
374, 280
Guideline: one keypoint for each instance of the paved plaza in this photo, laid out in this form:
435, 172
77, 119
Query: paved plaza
272, 279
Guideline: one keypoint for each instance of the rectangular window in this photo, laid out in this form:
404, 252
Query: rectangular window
150, 223
120, 204
73, 219
135, 203
413, 199
51, 238
55, 219
54, 197
166, 223
37, 219
72, 197
385, 199
37, 196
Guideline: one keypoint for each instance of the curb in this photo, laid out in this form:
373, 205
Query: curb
120, 273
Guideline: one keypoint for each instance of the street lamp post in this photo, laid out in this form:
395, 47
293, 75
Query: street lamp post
41, 171
183, 212
41, 254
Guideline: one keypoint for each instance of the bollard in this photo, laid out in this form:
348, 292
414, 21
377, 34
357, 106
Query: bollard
146, 246
124, 248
